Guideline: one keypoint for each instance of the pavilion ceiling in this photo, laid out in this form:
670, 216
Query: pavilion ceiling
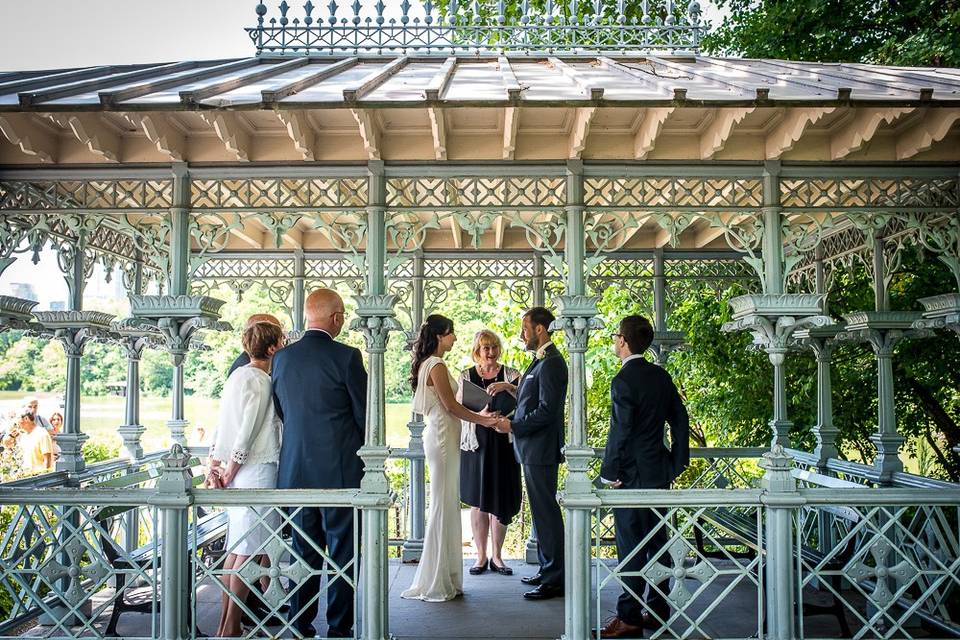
517, 108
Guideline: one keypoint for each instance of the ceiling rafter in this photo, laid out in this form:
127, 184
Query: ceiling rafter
649, 129
438, 129
932, 128
167, 138
300, 131
788, 131
511, 124
714, 139
579, 131
369, 132
91, 131
231, 131
21, 130
862, 128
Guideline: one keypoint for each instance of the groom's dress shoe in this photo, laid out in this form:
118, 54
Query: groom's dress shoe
544, 592
533, 581
617, 628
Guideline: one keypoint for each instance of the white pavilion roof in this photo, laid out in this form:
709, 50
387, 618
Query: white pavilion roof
478, 108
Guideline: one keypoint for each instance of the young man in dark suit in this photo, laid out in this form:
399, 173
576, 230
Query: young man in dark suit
643, 399
538, 431
320, 391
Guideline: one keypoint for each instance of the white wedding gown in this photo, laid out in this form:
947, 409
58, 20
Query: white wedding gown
440, 572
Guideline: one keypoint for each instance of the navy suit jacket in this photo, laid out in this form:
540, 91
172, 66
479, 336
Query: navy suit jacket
538, 421
643, 398
242, 360
320, 392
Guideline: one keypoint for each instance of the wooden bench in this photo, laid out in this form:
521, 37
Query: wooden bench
209, 530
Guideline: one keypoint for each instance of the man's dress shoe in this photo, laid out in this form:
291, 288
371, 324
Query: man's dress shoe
617, 628
544, 592
533, 581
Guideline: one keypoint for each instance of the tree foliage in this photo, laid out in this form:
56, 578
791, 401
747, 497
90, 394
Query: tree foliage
911, 32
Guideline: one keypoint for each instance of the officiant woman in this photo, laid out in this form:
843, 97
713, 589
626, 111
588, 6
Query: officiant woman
489, 471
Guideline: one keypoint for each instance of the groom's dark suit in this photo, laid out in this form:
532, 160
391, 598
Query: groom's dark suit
320, 390
643, 398
538, 439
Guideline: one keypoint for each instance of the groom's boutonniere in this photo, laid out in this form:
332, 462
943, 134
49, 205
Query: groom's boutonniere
540, 354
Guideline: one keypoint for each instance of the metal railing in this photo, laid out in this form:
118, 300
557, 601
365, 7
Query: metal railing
771, 539
446, 28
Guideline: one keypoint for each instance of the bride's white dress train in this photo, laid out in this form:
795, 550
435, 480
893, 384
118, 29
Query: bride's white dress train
440, 572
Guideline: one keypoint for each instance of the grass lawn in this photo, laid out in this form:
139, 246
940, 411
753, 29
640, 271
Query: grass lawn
100, 416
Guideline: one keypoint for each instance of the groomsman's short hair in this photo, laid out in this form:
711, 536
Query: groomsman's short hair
540, 316
637, 332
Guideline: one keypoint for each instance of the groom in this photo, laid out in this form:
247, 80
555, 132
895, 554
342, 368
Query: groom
537, 428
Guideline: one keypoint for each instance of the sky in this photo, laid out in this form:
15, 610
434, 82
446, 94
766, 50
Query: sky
52, 34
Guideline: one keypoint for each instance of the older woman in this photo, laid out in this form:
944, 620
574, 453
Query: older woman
489, 471
244, 455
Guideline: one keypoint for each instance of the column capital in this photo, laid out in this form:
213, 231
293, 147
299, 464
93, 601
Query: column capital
773, 319
375, 320
75, 328
578, 316
16, 314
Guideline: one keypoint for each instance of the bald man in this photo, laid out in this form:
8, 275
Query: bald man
243, 359
320, 391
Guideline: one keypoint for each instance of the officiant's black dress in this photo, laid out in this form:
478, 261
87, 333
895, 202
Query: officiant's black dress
490, 476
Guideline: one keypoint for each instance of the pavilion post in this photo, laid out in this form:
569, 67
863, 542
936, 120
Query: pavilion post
413, 545
664, 340
532, 549
539, 291
773, 284
131, 430
375, 320
775, 317
179, 285
577, 316
299, 293
780, 500
883, 329
173, 499
76, 265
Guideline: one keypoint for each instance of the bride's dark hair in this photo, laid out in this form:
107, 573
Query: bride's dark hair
435, 327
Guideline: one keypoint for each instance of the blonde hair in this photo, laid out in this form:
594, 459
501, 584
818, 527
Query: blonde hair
485, 336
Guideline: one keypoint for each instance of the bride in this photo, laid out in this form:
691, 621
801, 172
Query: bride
440, 572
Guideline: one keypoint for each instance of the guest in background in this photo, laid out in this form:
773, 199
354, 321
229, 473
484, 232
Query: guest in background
244, 455
56, 426
36, 445
489, 471
31, 404
243, 359
56, 423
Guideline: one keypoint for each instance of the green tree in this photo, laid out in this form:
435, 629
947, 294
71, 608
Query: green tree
913, 32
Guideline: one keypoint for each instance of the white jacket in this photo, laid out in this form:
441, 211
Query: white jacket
249, 430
